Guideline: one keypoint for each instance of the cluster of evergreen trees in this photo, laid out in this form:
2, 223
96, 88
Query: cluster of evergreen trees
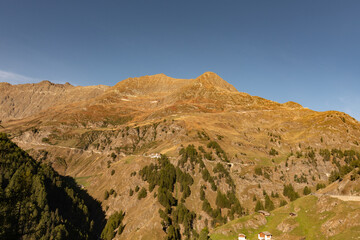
216, 213
224, 173
223, 201
290, 192
218, 150
191, 157
38, 203
229, 201
352, 162
165, 175
269, 205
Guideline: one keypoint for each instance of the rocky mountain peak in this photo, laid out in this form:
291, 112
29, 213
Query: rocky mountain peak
210, 79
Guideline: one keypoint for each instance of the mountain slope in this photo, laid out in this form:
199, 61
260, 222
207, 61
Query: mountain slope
238, 150
37, 203
133, 99
19, 101
313, 218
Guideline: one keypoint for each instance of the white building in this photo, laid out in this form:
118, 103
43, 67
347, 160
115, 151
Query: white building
155, 155
242, 236
264, 236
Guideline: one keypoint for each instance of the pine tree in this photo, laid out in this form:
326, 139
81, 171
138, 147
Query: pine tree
269, 205
259, 206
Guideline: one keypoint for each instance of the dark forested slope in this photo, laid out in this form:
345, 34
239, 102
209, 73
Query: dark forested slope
37, 203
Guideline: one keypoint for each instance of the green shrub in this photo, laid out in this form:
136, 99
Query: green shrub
273, 152
306, 190
258, 171
106, 195
320, 186
142, 193
283, 203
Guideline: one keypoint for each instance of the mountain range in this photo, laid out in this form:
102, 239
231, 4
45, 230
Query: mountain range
178, 156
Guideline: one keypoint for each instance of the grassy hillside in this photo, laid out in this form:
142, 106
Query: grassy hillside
316, 218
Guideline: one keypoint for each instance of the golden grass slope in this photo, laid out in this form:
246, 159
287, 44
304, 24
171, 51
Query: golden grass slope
24, 100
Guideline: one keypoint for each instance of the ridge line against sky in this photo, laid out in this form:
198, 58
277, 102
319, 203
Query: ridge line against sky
301, 51
14, 79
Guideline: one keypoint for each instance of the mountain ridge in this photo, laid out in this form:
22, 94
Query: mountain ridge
24, 100
160, 91
223, 149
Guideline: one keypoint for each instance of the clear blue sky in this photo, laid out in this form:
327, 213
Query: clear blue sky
304, 51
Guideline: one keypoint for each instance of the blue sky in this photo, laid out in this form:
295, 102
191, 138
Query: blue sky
302, 51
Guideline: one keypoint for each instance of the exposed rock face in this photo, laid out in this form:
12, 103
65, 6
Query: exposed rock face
256, 222
338, 224
286, 227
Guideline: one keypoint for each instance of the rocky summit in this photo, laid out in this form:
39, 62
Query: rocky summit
185, 158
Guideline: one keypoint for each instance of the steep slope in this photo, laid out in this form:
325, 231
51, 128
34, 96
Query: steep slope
37, 203
24, 100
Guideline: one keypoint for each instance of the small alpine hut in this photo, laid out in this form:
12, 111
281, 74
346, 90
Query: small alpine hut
264, 236
264, 213
241, 236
